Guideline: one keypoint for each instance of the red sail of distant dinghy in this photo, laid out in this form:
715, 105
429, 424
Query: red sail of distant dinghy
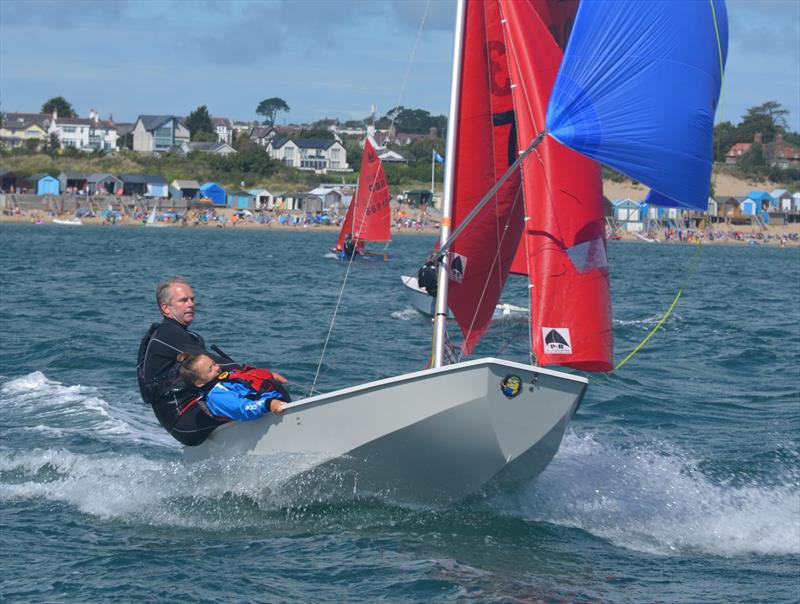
369, 215
564, 245
480, 259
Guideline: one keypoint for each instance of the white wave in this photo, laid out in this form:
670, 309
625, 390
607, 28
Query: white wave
646, 321
154, 491
658, 501
409, 313
53, 409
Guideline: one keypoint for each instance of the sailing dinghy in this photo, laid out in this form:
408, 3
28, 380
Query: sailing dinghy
425, 303
151, 218
637, 89
368, 217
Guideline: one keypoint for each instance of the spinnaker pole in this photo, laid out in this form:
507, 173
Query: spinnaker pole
440, 313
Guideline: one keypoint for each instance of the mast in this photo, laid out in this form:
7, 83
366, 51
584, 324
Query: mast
440, 314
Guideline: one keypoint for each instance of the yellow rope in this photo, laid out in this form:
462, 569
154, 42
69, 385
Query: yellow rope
666, 314
697, 252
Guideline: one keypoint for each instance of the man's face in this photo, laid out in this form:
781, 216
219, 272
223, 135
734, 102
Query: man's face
181, 304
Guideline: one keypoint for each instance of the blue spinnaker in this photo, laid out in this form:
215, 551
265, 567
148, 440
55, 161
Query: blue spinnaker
638, 88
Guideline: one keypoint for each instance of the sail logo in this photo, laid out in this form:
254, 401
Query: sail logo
458, 265
556, 340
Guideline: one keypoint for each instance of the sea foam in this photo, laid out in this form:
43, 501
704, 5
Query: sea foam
656, 500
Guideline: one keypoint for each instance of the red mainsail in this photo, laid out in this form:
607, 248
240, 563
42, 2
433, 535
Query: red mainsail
563, 249
485, 147
369, 215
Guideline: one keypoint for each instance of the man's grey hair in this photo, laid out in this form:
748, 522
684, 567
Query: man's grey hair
164, 289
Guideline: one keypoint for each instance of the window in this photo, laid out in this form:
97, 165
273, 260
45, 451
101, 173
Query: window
69, 129
163, 137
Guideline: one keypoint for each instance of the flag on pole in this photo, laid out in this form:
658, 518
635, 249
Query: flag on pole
437, 158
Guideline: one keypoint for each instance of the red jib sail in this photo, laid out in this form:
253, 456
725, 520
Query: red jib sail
485, 147
369, 215
563, 249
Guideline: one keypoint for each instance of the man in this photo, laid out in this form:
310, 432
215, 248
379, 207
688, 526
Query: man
173, 400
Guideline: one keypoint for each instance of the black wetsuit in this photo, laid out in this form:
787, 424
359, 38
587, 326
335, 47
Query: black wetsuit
428, 278
173, 400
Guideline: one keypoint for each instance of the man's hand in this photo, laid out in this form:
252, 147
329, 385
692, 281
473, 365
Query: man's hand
276, 406
279, 378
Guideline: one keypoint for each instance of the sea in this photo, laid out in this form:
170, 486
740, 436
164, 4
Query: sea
678, 479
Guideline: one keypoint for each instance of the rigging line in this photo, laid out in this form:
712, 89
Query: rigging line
495, 262
350, 263
488, 196
693, 262
658, 325
513, 56
333, 322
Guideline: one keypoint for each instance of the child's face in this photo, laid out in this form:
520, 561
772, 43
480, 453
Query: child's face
206, 369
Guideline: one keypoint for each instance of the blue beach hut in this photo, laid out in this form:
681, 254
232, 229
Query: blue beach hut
763, 199
747, 206
214, 192
46, 184
241, 200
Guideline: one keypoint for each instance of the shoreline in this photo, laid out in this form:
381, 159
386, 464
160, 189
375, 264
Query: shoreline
722, 235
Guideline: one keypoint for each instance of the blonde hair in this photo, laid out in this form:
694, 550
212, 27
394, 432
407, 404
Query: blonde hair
187, 367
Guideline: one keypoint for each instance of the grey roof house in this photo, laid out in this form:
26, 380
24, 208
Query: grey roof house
159, 133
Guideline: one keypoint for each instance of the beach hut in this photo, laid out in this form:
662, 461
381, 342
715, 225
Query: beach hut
241, 200
9, 181
103, 183
45, 184
133, 184
712, 209
264, 199
783, 200
72, 182
311, 203
748, 206
796, 201
156, 186
332, 199
214, 192
627, 214
184, 189
764, 200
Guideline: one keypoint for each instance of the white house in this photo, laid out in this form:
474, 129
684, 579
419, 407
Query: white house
223, 128
318, 154
159, 133
72, 132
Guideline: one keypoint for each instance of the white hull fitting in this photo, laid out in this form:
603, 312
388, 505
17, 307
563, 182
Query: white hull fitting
432, 436
425, 303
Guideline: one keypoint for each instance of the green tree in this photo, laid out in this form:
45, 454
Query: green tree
269, 109
199, 125
725, 136
52, 144
767, 118
61, 105
416, 121
316, 132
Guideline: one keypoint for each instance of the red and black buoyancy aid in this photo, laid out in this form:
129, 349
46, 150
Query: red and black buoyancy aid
259, 380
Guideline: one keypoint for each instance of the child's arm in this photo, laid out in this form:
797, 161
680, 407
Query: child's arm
226, 401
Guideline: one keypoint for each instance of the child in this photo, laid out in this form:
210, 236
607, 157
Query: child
242, 394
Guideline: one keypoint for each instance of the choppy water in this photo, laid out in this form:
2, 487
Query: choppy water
678, 480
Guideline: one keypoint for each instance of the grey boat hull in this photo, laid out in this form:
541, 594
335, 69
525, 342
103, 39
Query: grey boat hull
433, 436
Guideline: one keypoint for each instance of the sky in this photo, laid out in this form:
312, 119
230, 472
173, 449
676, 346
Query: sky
325, 58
